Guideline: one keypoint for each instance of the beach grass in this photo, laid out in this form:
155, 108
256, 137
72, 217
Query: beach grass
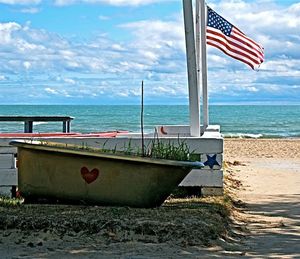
10, 202
156, 149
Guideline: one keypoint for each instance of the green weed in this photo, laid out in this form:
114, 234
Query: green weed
10, 202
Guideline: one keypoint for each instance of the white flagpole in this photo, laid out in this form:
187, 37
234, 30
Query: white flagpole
194, 95
203, 64
198, 54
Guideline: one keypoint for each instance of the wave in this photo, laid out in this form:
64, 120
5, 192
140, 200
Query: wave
256, 136
242, 135
40, 123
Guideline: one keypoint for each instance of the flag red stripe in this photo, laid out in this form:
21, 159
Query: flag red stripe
229, 49
222, 48
247, 42
241, 42
249, 52
237, 51
255, 54
237, 45
241, 34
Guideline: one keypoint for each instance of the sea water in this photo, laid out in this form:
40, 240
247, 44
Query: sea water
235, 120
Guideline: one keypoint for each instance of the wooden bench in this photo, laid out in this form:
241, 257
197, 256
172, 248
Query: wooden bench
28, 121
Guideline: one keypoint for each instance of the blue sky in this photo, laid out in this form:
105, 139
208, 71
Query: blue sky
99, 51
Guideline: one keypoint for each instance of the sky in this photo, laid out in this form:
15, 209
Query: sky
99, 51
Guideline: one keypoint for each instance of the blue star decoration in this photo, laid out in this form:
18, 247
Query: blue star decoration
211, 161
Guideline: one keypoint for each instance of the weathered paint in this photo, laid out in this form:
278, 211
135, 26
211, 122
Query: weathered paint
203, 178
52, 172
7, 161
8, 171
8, 177
194, 92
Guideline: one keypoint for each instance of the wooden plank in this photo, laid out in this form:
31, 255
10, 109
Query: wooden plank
182, 130
198, 145
212, 191
7, 161
203, 178
66, 126
28, 126
8, 150
8, 177
36, 118
5, 141
211, 143
6, 191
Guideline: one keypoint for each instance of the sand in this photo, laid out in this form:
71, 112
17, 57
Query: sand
269, 171
263, 176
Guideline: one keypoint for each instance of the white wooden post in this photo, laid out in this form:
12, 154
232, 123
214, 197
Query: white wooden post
198, 54
202, 61
194, 95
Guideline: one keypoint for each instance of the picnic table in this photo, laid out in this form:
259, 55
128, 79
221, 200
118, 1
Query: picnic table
29, 120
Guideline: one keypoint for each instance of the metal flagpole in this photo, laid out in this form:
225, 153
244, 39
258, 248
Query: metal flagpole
203, 62
194, 95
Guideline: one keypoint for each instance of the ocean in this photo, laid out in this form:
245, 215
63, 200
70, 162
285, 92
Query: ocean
252, 121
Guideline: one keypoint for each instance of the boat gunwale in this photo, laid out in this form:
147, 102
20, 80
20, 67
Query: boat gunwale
90, 153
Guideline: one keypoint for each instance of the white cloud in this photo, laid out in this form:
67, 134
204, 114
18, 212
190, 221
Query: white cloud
53, 65
157, 45
32, 10
70, 2
57, 92
111, 2
70, 81
26, 64
269, 24
103, 17
118, 47
51, 91
6, 30
164, 90
20, 2
252, 89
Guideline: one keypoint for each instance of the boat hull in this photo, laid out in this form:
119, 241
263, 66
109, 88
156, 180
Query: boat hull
74, 175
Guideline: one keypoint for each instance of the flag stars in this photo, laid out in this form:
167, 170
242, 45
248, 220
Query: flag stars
218, 22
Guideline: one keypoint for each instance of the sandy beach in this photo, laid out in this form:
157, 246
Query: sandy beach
269, 170
266, 221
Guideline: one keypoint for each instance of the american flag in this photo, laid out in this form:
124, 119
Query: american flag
226, 37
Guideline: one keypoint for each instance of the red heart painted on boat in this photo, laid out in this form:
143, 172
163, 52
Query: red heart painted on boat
89, 176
